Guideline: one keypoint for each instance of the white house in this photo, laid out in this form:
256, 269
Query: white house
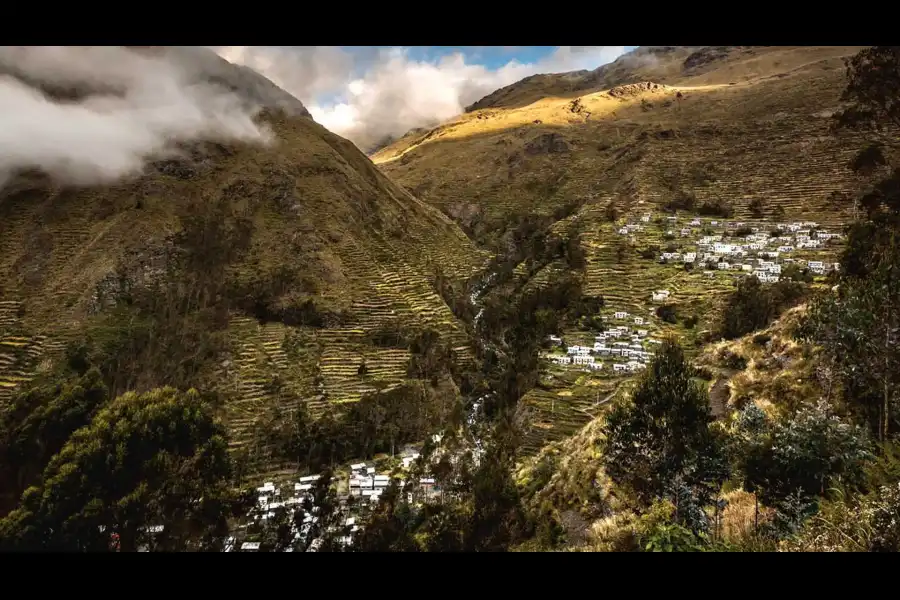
690, 257
638, 320
621, 314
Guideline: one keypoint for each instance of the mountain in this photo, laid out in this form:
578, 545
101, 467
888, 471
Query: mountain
300, 261
735, 132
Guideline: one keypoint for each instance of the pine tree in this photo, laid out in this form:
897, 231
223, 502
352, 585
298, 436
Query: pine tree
660, 443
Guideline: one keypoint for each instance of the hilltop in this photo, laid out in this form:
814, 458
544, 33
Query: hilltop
306, 266
658, 127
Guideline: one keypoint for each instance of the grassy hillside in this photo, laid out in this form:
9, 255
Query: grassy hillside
746, 129
306, 235
751, 124
769, 368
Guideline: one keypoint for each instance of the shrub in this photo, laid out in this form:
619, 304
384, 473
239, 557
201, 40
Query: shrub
714, 208
668, 313
756, 208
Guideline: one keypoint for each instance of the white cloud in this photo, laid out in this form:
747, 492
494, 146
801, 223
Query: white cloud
134, 105
386, 92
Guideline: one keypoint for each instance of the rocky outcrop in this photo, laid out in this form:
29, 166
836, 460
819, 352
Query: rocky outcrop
548, 143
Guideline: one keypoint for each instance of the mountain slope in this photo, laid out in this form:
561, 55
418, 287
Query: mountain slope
739, 130
305, 232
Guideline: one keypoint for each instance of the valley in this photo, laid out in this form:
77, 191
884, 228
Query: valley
571, 317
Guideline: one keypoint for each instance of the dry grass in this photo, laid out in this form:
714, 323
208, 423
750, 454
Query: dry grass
764, 137
780, 372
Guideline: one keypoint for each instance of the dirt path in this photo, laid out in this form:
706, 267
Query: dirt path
600, 403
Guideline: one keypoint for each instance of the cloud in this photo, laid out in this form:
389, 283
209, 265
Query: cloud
130, 106
384, 92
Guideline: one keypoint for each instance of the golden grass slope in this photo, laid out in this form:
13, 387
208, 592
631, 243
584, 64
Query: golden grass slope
755, 121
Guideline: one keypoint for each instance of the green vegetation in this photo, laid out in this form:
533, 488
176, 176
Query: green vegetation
143, 460
660, 444
753, 305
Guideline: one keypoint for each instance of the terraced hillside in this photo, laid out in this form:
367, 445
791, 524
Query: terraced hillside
690, 129
751, 124
361, 251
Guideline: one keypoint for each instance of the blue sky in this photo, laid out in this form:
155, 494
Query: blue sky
492, 57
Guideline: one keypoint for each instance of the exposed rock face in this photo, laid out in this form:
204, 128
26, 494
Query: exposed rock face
548, 143
708, 54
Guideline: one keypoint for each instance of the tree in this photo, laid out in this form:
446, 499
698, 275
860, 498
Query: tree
859, 331
748, 308
752, 306
873, 88
756, 208
157, 458
39, 424
661, 441
790, 463
611, 213
668, 313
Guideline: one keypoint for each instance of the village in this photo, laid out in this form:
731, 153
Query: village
721, 248
359, 489
759, 249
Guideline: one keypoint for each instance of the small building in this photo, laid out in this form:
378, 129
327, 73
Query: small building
250, 547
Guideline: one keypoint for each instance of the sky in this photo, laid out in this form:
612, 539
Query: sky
369, 93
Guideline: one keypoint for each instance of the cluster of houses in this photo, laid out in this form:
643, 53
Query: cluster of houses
622, 344
760, 252
364, 483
